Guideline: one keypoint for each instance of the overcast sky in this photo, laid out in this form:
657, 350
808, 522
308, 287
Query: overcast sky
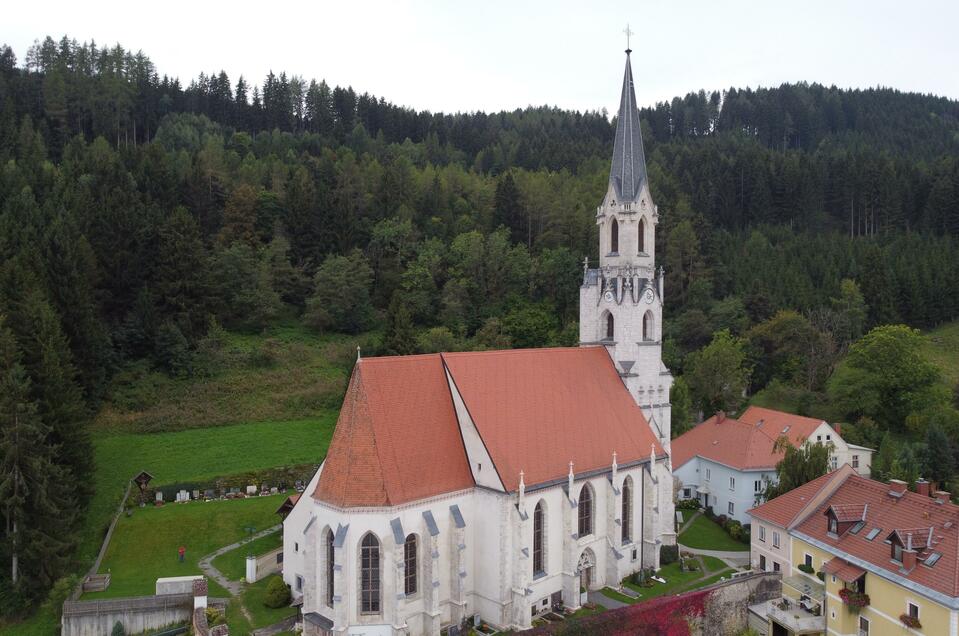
493, 54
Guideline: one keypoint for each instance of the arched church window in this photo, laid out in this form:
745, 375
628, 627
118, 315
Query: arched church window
614, 237
538, 531
330, 564
627, 510
648, 326
370, 575
641, 237
585, 511
610, 327
409, 560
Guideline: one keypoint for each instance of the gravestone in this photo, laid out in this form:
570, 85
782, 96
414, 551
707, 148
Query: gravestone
251, 490
159, 496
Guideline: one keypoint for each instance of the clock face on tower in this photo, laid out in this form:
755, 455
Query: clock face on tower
608, 296
648, 296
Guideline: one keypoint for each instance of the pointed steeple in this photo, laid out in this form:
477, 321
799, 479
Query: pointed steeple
628, 171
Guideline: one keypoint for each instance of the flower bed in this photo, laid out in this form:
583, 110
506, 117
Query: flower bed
910, 621
853, 599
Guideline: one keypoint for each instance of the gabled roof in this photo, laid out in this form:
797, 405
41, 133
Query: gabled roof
911, 513
628, 171
728, 441
539, 409
397, 439
849, 512
789, 507
536, 410
843, 570
776, 422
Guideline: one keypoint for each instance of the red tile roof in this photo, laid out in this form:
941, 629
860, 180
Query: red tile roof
910, 513
398, 440
745, 443
539, 409
775, 422
843, 570
787, 508
849, 512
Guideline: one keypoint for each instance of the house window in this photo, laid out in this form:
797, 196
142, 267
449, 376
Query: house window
730, 508
833, 462
538, 539
614, 237
409, 561
707, 474
762, 562
863, 626
775, 539
808, 560
687, 493
296, 546
330, 564
897, 552
758, 485
370, 575
585, 511
627, 510
299, 583
819, 438
775, 566
913, 610
828, 437
833, 525
732, 483
762, 533
855, 461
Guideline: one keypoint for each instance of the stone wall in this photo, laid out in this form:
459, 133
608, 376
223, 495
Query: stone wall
136, 614
718, 610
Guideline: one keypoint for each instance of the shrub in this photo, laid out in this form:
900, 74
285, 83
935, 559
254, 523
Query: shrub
722, 520
277, 593
668, 554
687, 504
808, 569
118, 629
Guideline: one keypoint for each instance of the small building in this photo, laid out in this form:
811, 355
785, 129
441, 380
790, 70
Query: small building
865, 558
726, 463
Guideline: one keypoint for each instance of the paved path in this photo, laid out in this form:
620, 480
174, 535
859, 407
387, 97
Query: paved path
286, 625
597, 597
233, 587
732, 558
689, 521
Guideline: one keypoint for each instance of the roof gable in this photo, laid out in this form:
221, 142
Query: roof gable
774, 423
791, 506
727, 441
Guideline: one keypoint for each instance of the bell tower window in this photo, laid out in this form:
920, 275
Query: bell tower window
648, 326
610, 330
614, 237
641, 236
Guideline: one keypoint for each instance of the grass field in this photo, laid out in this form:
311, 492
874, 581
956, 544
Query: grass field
942, 348
263, 616
144, 545
704, 534
232, 564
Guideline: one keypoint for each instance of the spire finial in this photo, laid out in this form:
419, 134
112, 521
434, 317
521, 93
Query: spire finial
628, 33
357, 353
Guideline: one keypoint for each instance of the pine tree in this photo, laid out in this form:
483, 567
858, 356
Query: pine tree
400, 338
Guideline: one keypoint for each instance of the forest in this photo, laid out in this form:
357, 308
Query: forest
807, 231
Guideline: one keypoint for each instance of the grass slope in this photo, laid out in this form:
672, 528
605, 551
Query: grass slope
144, 545
704, 534
941, 347
232, 564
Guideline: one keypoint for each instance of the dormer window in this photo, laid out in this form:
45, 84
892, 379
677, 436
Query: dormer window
833, 525
897, 551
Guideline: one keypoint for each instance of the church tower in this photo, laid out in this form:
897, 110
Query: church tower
621, 301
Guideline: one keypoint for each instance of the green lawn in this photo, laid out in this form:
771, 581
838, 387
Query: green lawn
144, 545
232, 564
704, 534
253, 597
677, 581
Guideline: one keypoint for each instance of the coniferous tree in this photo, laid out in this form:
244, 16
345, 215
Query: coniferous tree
400, 337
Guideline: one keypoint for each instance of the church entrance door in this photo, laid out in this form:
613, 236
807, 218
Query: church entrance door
586, 565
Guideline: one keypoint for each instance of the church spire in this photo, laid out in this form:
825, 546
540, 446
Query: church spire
628, 171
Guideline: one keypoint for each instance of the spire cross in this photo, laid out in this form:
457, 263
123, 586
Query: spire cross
628, 33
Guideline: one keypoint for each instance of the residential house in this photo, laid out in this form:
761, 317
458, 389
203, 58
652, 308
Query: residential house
726, 463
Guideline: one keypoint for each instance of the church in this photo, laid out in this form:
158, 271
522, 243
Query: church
497, 484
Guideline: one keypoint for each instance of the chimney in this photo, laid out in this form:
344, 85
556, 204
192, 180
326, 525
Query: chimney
836, 428
759, 423
908, 555
897, 487
943, 495
922, 487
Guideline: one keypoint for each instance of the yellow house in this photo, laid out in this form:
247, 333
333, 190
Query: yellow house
867, 558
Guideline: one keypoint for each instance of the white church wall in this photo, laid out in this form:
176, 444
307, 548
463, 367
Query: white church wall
293, 526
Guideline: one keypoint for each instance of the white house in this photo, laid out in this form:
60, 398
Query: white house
496, 484
726, 463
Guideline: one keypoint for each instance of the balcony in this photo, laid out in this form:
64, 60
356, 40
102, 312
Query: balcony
794, 617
